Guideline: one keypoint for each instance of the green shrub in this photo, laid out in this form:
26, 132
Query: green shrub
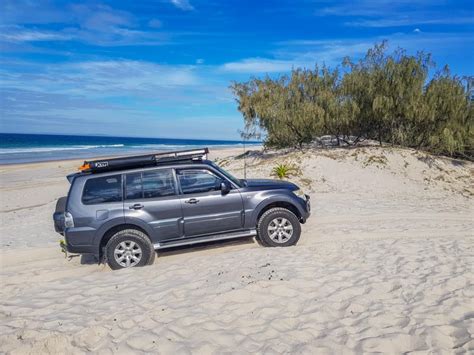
283, 171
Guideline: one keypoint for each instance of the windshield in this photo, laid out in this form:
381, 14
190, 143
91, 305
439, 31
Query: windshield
228, 175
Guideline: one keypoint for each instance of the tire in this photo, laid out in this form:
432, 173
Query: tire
129, 244
281, 221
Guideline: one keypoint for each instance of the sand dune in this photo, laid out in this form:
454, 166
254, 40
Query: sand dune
385, 264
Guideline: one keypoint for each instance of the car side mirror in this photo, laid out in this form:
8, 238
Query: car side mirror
225, 187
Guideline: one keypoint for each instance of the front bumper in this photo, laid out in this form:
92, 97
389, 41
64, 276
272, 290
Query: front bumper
306, 208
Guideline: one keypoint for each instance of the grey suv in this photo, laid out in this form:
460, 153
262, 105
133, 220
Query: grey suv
121, 210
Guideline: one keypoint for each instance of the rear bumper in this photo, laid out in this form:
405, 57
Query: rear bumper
80, 241
58, 218
81, 249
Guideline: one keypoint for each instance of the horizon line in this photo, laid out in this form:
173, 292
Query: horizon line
111, 136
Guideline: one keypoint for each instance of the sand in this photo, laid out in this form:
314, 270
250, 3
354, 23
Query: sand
385, 264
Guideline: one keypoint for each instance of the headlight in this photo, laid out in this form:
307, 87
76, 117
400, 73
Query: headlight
300, 194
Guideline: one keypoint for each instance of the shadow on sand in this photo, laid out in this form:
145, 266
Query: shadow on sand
206, 246
89, 259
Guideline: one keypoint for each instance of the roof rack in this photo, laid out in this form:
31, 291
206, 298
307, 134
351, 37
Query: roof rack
139, 161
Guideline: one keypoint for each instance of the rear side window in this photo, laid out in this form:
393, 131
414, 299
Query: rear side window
102, 190
150, 184
133, 186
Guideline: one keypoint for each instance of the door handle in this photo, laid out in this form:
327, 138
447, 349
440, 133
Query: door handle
192, 201
136, 206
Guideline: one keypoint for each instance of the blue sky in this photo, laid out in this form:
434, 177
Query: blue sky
162, 68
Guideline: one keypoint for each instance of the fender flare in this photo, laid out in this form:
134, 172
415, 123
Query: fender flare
274, 199
116, 222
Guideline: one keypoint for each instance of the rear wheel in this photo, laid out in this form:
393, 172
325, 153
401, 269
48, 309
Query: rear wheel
129, 248
278, 227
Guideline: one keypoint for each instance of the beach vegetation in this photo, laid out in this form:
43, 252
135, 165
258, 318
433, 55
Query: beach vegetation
391, 97
377, 160
283, 171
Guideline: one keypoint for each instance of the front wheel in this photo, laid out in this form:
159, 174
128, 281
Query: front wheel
129, 248
278, 227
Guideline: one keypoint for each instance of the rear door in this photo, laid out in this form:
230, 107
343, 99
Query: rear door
151, 197
206, 210
93, 201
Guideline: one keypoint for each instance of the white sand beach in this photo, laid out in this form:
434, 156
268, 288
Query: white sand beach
384, 264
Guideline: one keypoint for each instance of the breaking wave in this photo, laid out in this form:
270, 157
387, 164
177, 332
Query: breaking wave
56, 149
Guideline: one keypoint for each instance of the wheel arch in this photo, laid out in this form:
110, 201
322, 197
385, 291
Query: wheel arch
282, 203
108, 233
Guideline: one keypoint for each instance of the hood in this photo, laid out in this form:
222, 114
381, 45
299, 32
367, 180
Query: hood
268, 184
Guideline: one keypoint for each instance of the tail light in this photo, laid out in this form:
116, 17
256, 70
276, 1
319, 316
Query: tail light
68, 220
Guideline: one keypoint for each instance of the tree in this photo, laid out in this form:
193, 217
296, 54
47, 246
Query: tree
384, 96
449, 127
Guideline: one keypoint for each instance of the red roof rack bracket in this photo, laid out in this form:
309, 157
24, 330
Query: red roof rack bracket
138, 161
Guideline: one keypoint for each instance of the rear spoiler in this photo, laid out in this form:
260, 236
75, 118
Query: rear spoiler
71, 177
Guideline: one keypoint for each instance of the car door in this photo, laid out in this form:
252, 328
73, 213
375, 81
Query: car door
206, 209
101, 203
151, 197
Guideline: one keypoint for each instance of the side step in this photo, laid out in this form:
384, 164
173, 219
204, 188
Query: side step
207, 238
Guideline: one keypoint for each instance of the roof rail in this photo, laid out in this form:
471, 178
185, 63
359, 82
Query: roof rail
138, 161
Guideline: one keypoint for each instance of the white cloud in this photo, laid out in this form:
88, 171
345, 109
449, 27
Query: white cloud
94, 24
307, 53
300, 54
259, 65
117, 76
180, 85
127, 97
183, 5
106, 36
411, 20
18, 34
388, 13
29, 12
100, 17
374, 7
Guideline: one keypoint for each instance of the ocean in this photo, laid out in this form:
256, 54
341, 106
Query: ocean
27, 148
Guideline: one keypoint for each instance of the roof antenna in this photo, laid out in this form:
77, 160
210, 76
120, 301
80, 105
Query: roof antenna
246, 135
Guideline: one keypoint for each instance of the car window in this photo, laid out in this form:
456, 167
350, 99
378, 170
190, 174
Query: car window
102, 190
195, 181
228, 175
158, 183
150, 184
133, 186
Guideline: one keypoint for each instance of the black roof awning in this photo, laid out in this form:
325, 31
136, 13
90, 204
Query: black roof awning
138, 161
